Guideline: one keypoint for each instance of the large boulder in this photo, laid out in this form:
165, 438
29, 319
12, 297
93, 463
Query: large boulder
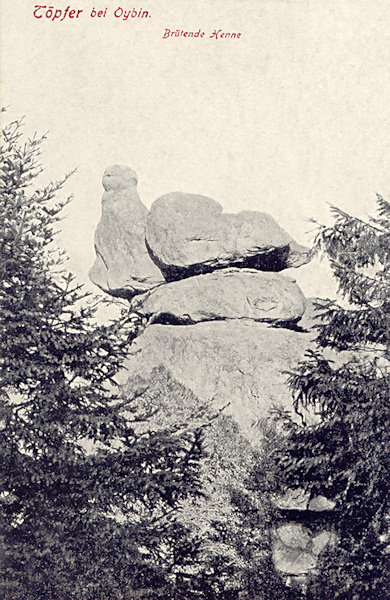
123, 266
296, 548
238, 363
224, 294
188, 234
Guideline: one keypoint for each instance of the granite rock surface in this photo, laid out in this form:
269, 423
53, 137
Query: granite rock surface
222, 295
188, 234
123, 266
238, 363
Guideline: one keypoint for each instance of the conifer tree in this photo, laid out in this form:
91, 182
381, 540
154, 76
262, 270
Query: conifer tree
346, 381
78, 484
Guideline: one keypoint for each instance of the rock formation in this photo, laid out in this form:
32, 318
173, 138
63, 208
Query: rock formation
222, 295
228, 324
123, 266
189, 234
297, 548
236, 362
221, 319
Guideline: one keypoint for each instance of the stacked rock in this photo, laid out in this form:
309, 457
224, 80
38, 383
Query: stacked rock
222, 320
187, 235
210, 286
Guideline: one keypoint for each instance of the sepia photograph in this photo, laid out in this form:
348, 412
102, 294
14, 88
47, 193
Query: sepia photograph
195, 300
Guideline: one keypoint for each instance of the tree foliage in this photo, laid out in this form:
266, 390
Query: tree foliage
79, 485
229, 525
346, 382
102, 495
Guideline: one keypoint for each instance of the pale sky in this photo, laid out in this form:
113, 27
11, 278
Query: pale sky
290, 117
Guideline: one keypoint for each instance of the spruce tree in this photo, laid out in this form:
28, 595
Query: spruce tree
79, 486
346, 382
